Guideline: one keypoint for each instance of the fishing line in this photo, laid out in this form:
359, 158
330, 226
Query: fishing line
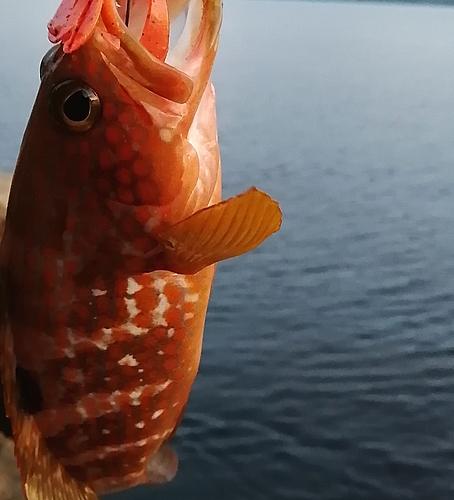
128, 12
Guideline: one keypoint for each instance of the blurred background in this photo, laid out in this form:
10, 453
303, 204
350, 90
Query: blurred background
328, 368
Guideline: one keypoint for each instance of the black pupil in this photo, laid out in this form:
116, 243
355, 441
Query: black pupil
77, 107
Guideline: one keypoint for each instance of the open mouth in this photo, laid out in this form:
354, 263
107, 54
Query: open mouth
145, 29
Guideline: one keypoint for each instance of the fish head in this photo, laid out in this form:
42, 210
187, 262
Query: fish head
117, 111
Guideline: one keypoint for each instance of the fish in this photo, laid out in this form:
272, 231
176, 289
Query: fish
114, 225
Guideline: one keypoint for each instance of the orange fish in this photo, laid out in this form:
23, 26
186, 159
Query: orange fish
113, 228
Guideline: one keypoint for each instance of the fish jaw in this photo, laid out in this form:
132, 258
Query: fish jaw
76, 21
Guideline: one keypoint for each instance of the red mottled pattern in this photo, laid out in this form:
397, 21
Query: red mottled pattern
117, 374
115, 357
113, 342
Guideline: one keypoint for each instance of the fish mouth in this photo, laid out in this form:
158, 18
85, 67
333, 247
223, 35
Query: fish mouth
171, 74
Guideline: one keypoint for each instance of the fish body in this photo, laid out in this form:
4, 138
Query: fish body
114, 225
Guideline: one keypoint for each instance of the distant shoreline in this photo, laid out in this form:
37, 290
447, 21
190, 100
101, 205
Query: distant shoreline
5, 185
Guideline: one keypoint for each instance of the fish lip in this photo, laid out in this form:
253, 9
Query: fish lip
188, 64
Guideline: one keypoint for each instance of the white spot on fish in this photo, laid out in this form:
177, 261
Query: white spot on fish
70, 335
181, 281
128, 360
159, 285
140, 425
133, 286
137, 331
105, 431
160, 353
84, 457
160, 309
151, 224
81, 410
160, 387
170, 332
135, 475
113, 397
188, 316
97, 292
157, 414
131, 306
159, 436
192, 297
135, 395
69, 353
165, 134
106, 340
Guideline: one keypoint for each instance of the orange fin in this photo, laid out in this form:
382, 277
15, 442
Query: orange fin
162, 467
227, 229
43, 477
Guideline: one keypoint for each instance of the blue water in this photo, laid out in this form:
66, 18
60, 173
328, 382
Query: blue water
328, 364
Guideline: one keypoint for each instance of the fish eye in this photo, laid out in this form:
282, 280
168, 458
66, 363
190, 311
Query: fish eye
74, 105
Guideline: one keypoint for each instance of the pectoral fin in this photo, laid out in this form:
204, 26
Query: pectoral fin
227, 229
